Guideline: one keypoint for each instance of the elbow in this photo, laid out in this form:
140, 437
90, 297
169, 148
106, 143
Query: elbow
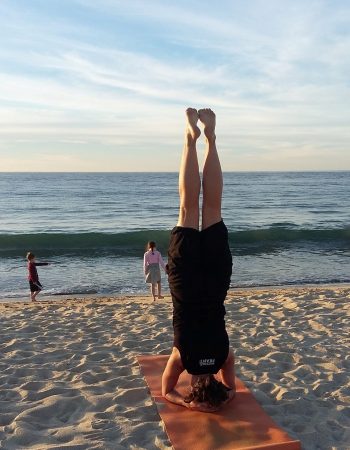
168, 397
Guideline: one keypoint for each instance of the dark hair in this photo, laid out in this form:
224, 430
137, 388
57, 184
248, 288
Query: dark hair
208, 389
150, 244
30, 256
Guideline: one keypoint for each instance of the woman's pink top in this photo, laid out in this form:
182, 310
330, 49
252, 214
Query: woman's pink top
152, 258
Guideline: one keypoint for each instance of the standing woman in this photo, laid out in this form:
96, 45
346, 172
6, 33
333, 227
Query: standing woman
151, 261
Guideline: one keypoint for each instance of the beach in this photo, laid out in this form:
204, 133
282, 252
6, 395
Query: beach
70, 379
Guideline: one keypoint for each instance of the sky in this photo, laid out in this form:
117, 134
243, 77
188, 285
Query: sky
89, 85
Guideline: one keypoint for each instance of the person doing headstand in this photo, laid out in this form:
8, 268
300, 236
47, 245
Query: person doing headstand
199, 270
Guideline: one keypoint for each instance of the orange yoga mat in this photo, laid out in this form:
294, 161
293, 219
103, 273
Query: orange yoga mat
241, 424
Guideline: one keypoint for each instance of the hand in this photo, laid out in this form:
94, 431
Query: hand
202, 407
231, 396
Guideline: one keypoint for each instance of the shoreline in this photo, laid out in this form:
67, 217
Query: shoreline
244, 289
70, 375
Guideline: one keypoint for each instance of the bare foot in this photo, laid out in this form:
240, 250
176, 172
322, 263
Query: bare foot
192, 129
160, 296
207, 117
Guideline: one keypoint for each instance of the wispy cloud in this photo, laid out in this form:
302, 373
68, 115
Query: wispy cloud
114, 73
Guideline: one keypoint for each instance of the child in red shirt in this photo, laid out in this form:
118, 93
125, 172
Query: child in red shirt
33, 277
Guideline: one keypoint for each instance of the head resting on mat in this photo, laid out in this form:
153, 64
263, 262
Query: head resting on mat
206, 389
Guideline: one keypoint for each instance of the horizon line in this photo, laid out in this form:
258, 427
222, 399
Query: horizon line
173, 171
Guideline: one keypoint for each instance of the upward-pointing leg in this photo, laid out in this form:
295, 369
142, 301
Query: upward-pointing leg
212, 174
189, 179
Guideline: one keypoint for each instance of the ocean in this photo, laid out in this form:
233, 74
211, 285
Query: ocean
285, 228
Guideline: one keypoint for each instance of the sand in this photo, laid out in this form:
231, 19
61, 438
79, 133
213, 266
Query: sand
69, 378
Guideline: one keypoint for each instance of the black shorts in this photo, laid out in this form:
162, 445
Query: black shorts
199, 265
35, 287
199, 269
